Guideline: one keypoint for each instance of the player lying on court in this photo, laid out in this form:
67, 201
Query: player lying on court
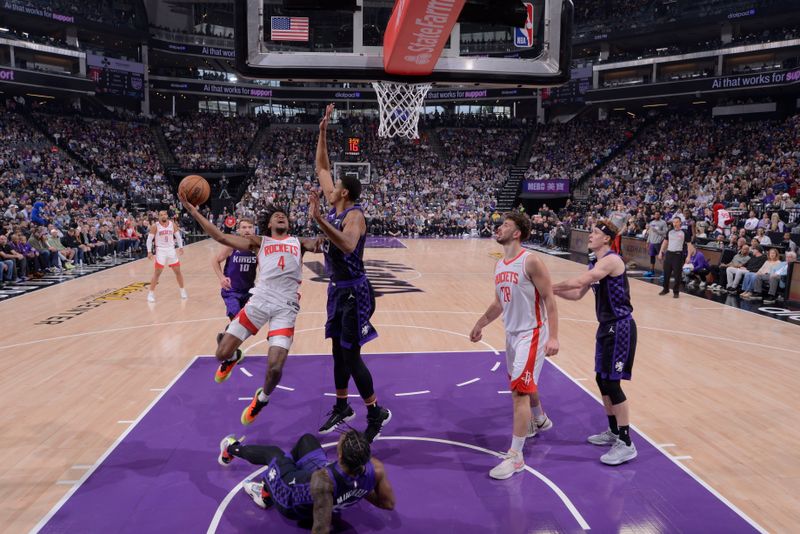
164, 234
615, 344
238, 276
274, 299
524, 297
304, 487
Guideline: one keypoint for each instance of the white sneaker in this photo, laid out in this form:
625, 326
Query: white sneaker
254, 490
184, 295
604, 438
512, 463
534, 427
619, 453
151, 297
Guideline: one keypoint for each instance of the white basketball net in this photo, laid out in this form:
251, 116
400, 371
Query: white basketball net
400, 105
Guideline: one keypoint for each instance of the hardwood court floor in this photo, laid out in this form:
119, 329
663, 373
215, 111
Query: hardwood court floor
712, 380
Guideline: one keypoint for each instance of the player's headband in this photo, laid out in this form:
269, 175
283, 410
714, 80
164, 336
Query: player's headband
606, 230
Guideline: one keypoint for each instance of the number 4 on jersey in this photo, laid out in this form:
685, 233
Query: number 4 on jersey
282, 263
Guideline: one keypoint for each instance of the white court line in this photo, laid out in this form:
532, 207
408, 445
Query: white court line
212, 527
245, 398
393, 326
125, 422
105, 455
504, 392
685, 333
699, 480
247, 373
423, 392
496, 366
467, 382
286, 388
664, 445
66, 482
334, 394
439, 312
681, 457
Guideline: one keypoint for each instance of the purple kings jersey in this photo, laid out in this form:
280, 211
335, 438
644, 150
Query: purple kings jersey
349, 490
340, 266
612, 297
240, 267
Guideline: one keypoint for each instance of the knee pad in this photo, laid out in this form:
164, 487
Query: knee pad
600, 384
614, 391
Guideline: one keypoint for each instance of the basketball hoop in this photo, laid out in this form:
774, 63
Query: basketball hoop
399, 105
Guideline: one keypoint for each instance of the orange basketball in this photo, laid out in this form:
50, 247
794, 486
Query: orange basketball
195, 188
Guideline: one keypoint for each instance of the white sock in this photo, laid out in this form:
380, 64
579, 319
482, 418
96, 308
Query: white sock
539, 419
150, 294
517, 444
262, 397
537, 411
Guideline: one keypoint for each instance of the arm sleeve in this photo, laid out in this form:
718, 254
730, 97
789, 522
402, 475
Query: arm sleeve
149, 242
179, 239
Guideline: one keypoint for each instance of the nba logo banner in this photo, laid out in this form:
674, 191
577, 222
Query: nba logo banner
523, 37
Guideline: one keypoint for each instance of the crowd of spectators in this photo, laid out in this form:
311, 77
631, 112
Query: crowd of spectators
568, 151
122, 149
54, 213
210, 141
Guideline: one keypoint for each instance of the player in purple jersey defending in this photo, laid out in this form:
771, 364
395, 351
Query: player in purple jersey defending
351, 299
304, 487
238, 276
616, 337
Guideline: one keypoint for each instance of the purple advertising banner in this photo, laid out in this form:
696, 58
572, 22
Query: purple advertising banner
544, 188
22, 7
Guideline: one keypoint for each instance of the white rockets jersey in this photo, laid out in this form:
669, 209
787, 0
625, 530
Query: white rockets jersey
165, 235
523, 309
280, 270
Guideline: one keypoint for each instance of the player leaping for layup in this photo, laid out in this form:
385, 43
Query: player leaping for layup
274, 298
351, 299
165, 234
524, 296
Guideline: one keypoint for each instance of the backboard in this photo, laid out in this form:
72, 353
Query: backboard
294, 40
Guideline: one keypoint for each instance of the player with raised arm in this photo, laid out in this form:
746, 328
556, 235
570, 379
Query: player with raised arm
274, 299
164, 234
615, 344
524, 297
351, 299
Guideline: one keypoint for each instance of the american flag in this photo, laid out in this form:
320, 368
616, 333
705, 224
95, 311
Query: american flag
289, 28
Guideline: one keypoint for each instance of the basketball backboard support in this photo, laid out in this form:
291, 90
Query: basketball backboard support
360, 170
347, 46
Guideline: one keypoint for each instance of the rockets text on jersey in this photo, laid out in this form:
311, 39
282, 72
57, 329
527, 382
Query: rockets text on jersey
280, 271
523, 309
165, 235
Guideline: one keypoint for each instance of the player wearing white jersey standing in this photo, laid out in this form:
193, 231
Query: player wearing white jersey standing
164, 233
524, 297
274, 298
